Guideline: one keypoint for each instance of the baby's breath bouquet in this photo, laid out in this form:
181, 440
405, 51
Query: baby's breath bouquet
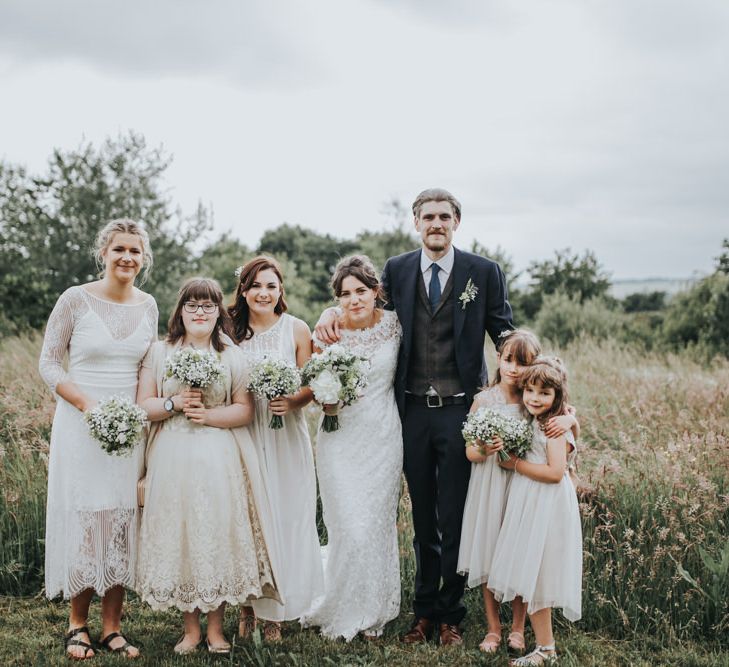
271, 378
117, 424
485, 423
336, 377
196, 368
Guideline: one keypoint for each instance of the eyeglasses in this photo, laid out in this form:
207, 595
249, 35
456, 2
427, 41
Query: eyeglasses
192, 307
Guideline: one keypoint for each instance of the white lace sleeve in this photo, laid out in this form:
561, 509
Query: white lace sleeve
57, 337
153, 319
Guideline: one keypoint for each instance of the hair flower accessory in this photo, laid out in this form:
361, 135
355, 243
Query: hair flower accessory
468, 294
238, 271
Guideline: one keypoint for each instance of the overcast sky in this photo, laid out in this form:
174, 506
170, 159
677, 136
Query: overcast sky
594, 124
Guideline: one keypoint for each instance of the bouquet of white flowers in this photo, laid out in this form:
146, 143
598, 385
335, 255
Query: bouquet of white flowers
335, 376
271, 378
485, 423
117, 424
196, 368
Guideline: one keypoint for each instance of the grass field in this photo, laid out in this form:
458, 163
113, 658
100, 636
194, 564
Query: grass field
655, 510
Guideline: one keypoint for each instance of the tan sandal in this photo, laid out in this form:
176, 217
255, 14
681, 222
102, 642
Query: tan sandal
490, 645
516, 642
272, 631
247, 623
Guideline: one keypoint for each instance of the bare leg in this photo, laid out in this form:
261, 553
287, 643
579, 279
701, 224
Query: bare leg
192, 635
518, 612
111, 611
542, 625
216, 638
492, 611
78, 618
516, 636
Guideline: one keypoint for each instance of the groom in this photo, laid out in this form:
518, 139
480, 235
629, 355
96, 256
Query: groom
446, 301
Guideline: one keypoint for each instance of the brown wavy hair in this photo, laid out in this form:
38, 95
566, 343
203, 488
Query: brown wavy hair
519, 344
548, 372
238, 310
361, 268
199, 289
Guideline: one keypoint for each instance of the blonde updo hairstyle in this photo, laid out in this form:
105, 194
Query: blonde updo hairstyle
123, 226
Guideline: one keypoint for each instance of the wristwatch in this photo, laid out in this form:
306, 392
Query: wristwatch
169, 405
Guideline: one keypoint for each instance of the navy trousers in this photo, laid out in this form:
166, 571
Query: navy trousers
437, 473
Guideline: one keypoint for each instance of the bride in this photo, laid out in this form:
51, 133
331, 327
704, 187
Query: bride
359, 468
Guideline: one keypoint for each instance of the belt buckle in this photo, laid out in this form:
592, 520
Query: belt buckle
439, 403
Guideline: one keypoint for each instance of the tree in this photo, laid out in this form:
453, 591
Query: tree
504, 260
314, 256
723, 259
220, 259
49, 223
642, 302
575, 276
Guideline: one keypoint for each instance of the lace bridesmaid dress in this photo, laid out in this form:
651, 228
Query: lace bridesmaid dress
488, 488
201, 541
539, 551
288, 470
91, 516
360, 469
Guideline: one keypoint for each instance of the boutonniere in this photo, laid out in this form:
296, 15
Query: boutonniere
468, 294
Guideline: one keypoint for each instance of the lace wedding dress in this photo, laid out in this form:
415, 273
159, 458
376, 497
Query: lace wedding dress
288, 469
359, 468
201, 540
91, 517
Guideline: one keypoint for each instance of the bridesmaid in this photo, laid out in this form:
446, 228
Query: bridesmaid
203, 540
105, 326
263, 328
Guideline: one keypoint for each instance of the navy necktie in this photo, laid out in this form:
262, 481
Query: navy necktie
434, 291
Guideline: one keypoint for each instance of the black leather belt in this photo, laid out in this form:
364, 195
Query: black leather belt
436, 401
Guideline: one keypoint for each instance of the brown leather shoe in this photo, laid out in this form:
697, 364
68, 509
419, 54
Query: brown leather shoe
421, 632
450, 635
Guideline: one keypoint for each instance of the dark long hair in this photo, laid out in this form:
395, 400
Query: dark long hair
238, 310
199, 289
361, 268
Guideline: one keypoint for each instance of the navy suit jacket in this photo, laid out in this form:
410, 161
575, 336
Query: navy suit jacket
489, 312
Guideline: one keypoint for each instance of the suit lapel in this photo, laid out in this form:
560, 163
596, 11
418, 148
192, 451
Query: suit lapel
461, 266
410, 275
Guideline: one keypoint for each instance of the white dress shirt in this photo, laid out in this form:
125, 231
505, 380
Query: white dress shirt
445, 264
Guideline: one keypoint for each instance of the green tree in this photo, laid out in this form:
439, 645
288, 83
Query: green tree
48, 223
221, 258
314, 256
499, 255
580, 277
700, 316
641, 302
723, 259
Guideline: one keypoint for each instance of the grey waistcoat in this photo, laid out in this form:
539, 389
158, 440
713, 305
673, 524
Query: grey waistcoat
433, 353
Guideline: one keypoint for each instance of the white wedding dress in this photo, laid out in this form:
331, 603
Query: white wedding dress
91, 517
359, 468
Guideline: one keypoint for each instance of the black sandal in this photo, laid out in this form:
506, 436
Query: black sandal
70, 641
106, 644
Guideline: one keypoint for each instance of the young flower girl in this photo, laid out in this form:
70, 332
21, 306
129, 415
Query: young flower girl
204, 537
489, 485
538, 555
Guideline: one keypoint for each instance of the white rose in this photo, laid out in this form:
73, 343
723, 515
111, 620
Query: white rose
326, 387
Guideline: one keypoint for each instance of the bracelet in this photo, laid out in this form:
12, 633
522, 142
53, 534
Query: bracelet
516, 463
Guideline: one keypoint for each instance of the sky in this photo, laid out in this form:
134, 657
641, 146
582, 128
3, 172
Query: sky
598, 124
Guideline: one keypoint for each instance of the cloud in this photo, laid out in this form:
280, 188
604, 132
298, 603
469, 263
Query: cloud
255, 43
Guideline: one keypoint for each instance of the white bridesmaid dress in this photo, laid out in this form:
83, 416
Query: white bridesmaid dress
539, 551
287, 466
91, 515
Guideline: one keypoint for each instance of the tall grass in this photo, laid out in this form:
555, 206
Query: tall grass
655, 506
